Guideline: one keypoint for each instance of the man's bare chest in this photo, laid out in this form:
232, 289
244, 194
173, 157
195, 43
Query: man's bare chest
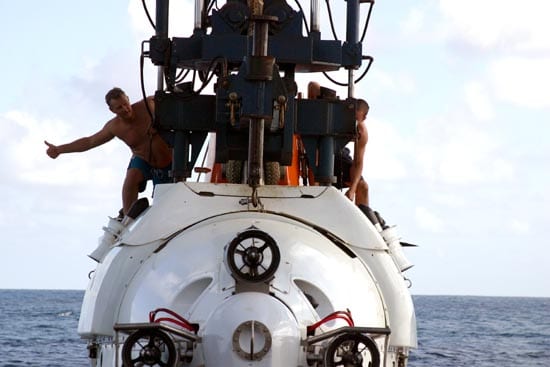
134, 135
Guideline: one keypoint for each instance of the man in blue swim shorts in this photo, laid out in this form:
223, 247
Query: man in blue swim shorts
152, 157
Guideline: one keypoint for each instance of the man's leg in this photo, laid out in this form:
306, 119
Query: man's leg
362, 193
130, 188
137, 174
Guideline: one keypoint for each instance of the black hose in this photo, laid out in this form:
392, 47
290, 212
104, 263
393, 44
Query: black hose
211, 69
371, 4
366, 69
142, 83
303, 16
331, 21
356, 80
180, 77
148, 15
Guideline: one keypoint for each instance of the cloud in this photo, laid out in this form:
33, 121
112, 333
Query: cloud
413, 22
138, 18
27, 162
450, 200
180, 23
19, 143
428, 220
520, 227
499, 24
456, 150
384, 152
522, 81
478, 100
397, 82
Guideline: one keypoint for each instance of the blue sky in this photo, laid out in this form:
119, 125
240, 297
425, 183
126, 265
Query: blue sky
459, 95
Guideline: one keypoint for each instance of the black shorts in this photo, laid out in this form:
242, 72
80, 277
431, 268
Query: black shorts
342, 166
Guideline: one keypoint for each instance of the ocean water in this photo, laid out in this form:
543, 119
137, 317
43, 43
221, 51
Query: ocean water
482, 331
39, 328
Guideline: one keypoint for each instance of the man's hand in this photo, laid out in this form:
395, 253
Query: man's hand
52, 150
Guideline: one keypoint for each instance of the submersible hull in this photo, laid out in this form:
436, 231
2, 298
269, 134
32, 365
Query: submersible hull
244, 274
302, 279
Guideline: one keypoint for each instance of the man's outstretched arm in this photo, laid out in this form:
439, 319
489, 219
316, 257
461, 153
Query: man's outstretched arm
80, 145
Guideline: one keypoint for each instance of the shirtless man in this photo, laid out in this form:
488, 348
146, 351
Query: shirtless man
348, 170
351, 169
151, 158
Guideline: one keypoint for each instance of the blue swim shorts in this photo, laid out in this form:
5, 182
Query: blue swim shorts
158, 175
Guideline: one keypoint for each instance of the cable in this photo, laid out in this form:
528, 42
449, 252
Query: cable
179, 320
211, 69
371, 4
370, 58
174, 321
148, 15
180, 78
366, 69
331, 21
344, 315
303, 16
209, 7
147, 107
367, 20
142, 83
206, 77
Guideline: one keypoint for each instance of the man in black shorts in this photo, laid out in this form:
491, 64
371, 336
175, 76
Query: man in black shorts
348, 170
